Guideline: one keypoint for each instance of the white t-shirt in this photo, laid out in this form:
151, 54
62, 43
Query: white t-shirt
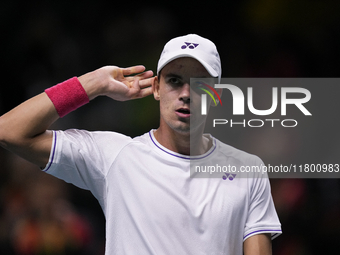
150, 202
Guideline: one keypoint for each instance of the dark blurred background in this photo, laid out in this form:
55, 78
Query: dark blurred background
46, 42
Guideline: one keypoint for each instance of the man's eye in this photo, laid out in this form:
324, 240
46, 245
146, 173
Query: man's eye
174, 81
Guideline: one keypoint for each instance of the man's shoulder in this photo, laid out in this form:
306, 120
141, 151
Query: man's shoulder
99, 137
231, 152
104, 144
93, 135
111, 138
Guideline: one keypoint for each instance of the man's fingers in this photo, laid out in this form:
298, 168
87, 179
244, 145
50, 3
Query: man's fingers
136, 70
145, 92
145, 75
145, 79
146, 82
133, 70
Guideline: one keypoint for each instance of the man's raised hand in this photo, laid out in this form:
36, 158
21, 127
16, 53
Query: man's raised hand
117, 83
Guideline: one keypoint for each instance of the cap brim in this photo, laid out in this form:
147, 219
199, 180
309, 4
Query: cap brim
177, 54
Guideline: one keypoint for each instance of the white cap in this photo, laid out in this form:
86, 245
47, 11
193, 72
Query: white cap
193, 46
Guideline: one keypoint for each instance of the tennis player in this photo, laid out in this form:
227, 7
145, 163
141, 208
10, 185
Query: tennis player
143, 184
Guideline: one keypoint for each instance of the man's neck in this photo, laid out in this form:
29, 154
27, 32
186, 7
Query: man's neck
183, 143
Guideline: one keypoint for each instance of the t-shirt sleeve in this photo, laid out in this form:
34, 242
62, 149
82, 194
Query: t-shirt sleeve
262, 216
83, 158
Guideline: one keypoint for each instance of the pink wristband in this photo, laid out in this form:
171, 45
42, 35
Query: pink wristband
67, 96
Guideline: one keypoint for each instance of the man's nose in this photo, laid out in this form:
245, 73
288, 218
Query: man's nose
185, 92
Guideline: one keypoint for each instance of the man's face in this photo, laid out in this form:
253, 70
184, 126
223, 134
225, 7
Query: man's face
179, 104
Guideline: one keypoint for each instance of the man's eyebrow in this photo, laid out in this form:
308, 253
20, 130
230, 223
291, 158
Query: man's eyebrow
180, 77
173, 75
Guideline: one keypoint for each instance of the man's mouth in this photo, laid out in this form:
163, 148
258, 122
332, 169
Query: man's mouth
183, 112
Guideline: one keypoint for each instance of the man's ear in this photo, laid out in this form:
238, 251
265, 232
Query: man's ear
155, 88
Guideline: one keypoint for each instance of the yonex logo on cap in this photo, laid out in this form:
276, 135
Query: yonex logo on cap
189, 45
